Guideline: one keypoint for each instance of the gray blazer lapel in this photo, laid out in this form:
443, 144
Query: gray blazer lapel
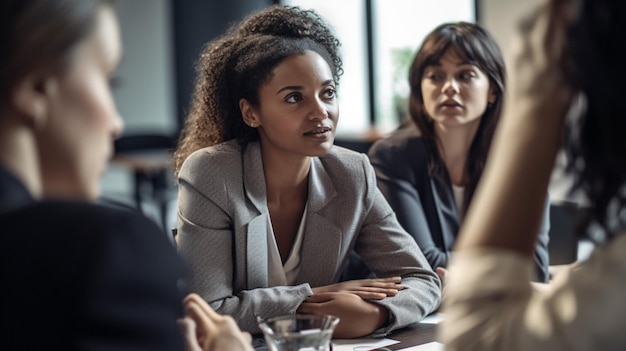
255, 241
256, 254
253, 177
322, 238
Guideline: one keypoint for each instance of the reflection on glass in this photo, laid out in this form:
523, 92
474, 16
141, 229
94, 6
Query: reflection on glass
400, 26
347, 19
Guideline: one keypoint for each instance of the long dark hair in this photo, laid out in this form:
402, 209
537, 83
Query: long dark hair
595, 143
38, 34
235, 66
474, 44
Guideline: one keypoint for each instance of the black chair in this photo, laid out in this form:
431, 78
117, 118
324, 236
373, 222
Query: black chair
563, 245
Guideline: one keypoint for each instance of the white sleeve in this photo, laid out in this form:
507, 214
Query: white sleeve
489, 303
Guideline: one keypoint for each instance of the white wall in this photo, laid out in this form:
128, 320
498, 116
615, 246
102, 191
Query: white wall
146, 93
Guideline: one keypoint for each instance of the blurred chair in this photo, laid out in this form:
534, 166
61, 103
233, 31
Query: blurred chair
149, 158
563, 245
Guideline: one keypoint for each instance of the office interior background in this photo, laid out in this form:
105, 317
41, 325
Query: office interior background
163, 38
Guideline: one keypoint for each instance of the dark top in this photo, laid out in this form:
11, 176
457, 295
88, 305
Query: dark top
77, 276
13, 194
425, 204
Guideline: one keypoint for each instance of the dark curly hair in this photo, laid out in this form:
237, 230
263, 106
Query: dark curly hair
235, 66
476, 45
595, 144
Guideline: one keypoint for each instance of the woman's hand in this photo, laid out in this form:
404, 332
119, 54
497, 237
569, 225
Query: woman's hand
540, 54
357, 317
368, 289
204, 329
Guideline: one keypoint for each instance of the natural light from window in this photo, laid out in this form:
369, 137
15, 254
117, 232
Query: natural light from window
399, 27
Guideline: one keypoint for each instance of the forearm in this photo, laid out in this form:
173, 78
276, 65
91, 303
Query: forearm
264, 302
512, 191
410, 305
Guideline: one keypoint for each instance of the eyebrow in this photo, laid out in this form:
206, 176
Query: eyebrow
299, 87
462, 63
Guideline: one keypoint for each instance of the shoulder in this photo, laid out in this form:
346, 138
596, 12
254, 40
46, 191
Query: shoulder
399, 143
78, 226
212, 169
349, 171
226, 155
341, 161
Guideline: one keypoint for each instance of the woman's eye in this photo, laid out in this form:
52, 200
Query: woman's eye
467, 75
434, 76
293, 98
330, 93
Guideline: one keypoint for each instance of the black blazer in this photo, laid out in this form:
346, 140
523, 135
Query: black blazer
425, 205
77, 276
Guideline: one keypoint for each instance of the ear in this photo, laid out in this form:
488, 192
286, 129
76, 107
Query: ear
30, 99
248, 113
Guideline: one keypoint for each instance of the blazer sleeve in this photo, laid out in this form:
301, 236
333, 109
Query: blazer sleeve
398, 182
388, 250
206, 240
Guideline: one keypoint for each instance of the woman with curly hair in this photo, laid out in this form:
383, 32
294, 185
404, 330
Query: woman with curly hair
568, 53
269, 210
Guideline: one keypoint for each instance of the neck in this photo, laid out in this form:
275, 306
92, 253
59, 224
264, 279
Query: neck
454, 145
286, 177
18, 153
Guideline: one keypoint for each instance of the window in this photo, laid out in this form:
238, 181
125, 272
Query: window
379, 39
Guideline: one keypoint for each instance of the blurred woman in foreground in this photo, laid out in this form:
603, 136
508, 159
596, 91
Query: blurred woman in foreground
78, 276
568, 50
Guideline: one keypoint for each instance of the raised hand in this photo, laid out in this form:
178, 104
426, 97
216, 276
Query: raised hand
537, 69
368, 289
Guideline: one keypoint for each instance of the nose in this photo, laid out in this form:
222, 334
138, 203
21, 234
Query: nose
318, 110
450, 86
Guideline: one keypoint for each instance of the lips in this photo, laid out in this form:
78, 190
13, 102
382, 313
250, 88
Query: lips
451, 104
319, 130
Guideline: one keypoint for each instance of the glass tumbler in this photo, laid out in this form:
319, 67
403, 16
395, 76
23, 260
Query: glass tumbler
300, 332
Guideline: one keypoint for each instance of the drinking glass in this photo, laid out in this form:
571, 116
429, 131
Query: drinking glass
300, 332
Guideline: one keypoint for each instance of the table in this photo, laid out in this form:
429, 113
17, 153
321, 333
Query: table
149, 167
413, 335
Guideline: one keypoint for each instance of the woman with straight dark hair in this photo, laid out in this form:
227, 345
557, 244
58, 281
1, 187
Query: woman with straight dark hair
429, 168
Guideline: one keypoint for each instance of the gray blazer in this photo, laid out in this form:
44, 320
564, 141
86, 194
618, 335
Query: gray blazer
222, 226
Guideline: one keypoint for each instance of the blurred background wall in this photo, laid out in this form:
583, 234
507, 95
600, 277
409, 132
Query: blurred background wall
163, 38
